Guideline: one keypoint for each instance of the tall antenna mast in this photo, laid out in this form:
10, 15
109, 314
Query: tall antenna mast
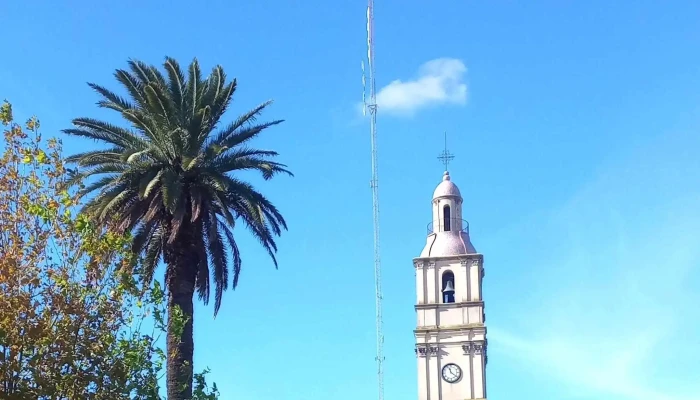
374, 184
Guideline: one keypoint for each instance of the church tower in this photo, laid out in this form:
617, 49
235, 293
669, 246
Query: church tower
450, 333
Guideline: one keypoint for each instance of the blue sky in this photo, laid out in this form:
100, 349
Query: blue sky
576, 132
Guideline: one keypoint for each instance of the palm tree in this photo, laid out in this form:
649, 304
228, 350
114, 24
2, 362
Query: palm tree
168, 180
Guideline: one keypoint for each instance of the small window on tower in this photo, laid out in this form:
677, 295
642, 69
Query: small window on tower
446, 218
448, 287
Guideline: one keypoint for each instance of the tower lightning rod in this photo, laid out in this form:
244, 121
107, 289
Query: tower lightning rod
374, 184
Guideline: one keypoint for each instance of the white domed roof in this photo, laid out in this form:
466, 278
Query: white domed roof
443, 244
446, 188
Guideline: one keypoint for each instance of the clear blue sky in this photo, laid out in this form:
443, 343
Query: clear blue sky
576, 154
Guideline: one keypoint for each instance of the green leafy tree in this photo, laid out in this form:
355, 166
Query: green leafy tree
71, 307
65, 311
168, 178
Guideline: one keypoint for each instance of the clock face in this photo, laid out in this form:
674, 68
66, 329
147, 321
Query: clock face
451, 373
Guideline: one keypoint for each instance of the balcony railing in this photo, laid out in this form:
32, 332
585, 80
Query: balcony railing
453, 223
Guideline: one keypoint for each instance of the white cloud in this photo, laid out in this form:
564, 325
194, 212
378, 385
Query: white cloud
439, 82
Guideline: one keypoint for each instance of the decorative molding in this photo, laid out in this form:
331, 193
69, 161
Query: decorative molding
476, 326
464, 262
475, 262
431, 264
451, 258
436, 306
423, 350
474, 348
418, 264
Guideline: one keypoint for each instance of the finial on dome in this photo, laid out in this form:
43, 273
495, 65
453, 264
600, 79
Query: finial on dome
446, 176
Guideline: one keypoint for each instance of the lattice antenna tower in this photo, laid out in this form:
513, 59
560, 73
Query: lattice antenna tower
374, 184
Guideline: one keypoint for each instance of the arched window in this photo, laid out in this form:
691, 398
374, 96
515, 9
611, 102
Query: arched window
448, 287
446, 217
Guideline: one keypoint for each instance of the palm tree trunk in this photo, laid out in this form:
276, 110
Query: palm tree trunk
182, 260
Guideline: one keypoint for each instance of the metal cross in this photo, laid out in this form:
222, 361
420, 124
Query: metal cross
446, 156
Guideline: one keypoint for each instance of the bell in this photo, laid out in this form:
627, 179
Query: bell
449, 288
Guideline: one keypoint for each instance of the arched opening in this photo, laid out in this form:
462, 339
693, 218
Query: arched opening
448, 287
446, 218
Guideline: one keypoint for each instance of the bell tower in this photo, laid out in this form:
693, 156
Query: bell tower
450, 332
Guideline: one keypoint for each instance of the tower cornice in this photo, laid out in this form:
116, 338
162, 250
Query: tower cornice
477, 327
418, 261
443, 306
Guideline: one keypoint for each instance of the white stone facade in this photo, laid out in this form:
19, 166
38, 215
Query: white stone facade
450, 324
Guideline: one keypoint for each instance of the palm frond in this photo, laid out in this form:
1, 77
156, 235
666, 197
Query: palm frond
140, 70
202, 279
236, 254
238, 190
215, 192
222, 101
104, 182
113, 101
153, 252
131, 214
176, 85
156, 209
113, 207
196, 202
144, 123
158, 104
142, 234
219, 260
245, 134
87, 155
214, 85
103, 168
194, 87
132, 85
245, 119
244, 160
215, 148
171, 189
95, 205
177, 218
